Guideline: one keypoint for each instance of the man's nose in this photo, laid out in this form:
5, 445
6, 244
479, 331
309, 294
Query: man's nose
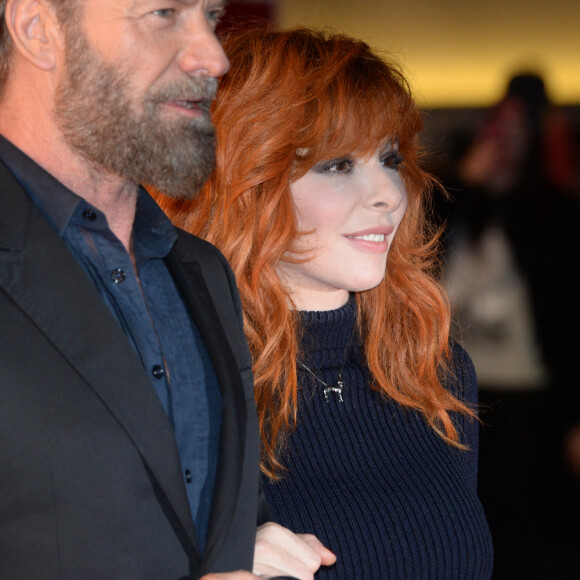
203, 54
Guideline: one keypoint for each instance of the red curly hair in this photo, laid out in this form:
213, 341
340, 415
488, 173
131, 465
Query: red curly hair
291, 100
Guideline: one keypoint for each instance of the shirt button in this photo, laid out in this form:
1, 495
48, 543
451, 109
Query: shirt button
158, 371
188, 476
89, 215
117, 275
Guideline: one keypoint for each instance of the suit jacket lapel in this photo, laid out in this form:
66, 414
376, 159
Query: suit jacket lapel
188, 275
43, 278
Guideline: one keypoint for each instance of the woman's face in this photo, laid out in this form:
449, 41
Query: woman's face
351, 208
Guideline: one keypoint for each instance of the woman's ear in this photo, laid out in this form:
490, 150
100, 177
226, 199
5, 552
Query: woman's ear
35, 31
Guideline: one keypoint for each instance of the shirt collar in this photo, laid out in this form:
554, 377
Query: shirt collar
55, 200
153, 232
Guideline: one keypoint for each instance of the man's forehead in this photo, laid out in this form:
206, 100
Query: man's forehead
143, 6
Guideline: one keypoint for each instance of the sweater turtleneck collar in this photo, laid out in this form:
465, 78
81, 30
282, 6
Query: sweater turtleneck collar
326, 334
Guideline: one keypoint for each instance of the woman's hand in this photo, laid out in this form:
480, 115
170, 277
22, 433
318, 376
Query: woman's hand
280, 552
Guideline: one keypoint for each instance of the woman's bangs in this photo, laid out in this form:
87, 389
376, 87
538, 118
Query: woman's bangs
361, 113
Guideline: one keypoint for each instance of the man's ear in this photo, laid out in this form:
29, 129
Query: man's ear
34, 30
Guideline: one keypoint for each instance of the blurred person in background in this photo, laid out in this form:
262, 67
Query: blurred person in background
513, 276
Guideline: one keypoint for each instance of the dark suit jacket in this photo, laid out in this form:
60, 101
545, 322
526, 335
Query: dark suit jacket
90, 480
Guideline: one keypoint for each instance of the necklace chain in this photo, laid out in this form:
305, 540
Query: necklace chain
333, 389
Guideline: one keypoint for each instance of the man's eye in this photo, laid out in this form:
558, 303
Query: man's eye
216, 15
164, 12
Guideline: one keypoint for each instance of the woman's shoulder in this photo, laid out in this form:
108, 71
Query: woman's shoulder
462, 381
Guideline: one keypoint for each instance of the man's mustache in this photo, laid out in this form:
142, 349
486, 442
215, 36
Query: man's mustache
200, 91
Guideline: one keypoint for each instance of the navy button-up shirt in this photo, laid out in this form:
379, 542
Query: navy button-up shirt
151, 311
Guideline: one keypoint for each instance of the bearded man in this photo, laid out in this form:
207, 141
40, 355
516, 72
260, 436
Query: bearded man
128, 437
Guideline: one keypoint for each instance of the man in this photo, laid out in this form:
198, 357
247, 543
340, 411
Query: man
128, 439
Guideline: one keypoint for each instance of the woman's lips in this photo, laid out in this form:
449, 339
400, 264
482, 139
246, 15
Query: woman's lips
372, 240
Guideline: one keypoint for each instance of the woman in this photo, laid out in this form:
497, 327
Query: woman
367, 413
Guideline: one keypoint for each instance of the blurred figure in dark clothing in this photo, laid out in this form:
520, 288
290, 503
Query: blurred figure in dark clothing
513, 271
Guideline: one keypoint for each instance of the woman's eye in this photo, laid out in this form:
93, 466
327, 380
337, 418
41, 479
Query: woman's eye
392, 161
336, 167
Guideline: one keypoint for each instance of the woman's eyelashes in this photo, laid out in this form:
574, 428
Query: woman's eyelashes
335, 167
391, 159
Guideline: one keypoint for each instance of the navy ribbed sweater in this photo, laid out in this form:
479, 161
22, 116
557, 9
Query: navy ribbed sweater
372, 480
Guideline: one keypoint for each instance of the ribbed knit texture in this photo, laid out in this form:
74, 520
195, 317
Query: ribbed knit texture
371, 479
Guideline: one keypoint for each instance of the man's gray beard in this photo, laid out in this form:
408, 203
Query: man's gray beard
98, 120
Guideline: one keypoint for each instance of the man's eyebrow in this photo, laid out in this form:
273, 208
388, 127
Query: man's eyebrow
222, 3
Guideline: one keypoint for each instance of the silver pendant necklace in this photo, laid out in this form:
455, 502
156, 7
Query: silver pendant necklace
335, 390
